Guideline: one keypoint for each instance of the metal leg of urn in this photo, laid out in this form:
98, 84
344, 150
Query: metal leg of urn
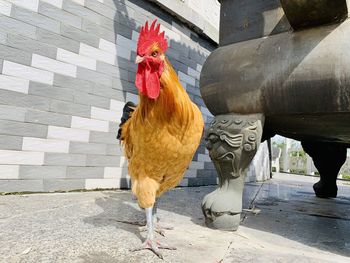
232, 141
328, 158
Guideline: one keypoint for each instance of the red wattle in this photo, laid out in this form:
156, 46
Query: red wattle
147, 80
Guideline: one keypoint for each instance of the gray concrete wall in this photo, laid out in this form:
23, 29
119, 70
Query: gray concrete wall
66, 71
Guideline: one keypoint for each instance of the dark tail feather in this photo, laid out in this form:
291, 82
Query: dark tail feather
127, 110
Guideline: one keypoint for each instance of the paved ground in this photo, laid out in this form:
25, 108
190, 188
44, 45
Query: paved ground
291, 225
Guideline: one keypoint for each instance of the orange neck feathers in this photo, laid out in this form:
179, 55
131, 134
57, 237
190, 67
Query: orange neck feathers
173, 101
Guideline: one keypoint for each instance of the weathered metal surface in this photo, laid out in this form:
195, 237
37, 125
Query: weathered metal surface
310, 13
298, 73
299, 81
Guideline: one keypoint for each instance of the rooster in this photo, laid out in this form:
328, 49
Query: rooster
163, 131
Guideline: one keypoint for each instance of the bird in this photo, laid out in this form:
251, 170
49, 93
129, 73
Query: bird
161, 134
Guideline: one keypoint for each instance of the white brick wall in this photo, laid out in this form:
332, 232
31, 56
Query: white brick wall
188, 79
90, 124
117, 106
54, 65
5, 8
126, 43
101, 183
32, 5
45, 145
123, 52
9, 171
170, 34
102, 114
135, 35
114, 172
14, 84
25, 72
196, 165
57, 3
96, 53
193, 73
108, 46
68, 134
75, 59
203, 158
80, 2
18, 157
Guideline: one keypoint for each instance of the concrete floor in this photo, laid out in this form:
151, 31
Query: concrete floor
284, 222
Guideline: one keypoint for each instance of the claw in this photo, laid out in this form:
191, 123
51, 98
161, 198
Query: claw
154, 246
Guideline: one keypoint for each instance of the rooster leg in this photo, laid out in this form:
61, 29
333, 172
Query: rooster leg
150, 243
158, 227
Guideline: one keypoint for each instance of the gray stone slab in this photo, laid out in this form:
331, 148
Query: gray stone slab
23, 100
52, 185
199, 101
8, 142
114, 150
96, 30
81, 11
93, 76
30, 45
81, 36
197, 56
10, 186
10, 25
15, 55
92, 100
23, 129
32, 172
60, 15
73, 83
126, 64
48, 118
3, 37
57, 40
35, 19
12, 113
100, 8
112, 70
103, 137
108, 92
85, 172
49, 91
65, 159
113, 127
178, 65
181, 48
189, 62
193, 90
124, 85
70, 108
98, 160
87, 148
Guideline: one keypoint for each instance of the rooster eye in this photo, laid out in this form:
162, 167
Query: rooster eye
154, 53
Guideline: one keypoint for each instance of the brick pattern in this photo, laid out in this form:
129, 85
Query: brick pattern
66, 71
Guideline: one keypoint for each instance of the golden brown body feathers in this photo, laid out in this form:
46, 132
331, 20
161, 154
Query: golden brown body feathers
161, 138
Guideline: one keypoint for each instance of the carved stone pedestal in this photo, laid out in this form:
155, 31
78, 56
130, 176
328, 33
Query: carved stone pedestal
232, 141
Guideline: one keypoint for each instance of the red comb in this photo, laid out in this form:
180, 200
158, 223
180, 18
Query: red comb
150, 36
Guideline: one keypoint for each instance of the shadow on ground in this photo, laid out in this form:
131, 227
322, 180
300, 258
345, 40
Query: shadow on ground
291, 210
288, 210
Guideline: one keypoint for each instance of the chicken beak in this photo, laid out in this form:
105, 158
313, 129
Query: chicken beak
139, 59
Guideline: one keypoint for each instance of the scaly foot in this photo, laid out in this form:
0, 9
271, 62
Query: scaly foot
159, 228
154, 246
